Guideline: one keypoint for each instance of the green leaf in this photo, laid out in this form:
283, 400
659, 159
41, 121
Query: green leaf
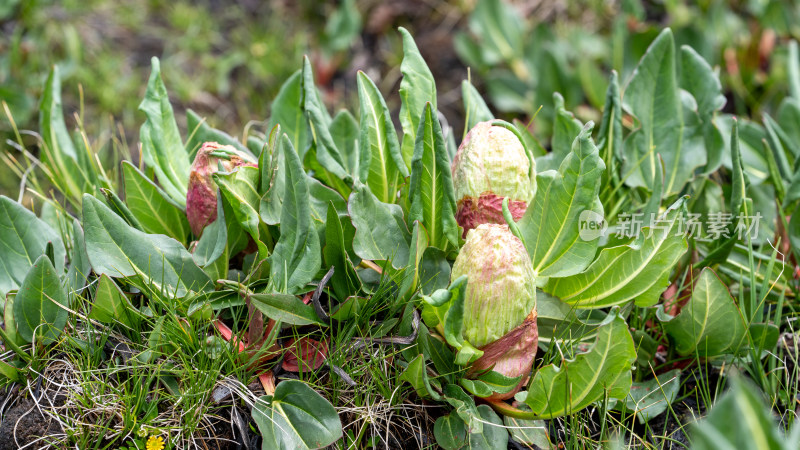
40, 306
213, 241
344, 131
417, 376
416, 89
162, 148
285, 308
296, 258
273, 178
565, 128
381, 163
603, 370
23, 238
79, 266
200, 132
609, 136
794, 70
117, 250
711, 323
700, 80
240, 188
739, 419
296, 417
342, 27
432, 196
156, 212
494, 434
722, 249
639, 270
450, 432
287, 111
381, 232
566, 200
111, 306
345, 280
653, 97
531, 432
70, 171
499, 26
650, 398
464, 407
474, 106
319, 122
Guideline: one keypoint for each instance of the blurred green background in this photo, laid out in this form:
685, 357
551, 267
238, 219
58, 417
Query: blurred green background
227, 60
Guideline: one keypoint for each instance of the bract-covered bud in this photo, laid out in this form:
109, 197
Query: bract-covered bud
201, 198
500, 301
491, 164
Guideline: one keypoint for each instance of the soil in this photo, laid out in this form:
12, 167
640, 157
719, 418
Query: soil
23, 424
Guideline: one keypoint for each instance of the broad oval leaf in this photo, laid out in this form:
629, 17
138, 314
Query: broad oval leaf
553, 224
162, 148
639, 270
710, 323
111, 306
604, 370
286, 308
296, 417
381, 232
155, 211
40, 306
432, 196
23, 238
118, 250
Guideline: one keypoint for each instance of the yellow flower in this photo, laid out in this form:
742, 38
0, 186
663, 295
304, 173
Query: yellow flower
155, 443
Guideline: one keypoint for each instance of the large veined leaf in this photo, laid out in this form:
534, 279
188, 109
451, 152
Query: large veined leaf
639, 270
319, 122
287, 111
603, 370
416, 89
118, 250
162, 148
653, 97
40, 305
554, 225
296, 417
296, 258
155, 211
432, 197
710, 323
381, 163
474, 106
23, 238
381, 232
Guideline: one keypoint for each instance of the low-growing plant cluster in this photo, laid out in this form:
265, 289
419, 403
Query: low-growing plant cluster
332, 281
